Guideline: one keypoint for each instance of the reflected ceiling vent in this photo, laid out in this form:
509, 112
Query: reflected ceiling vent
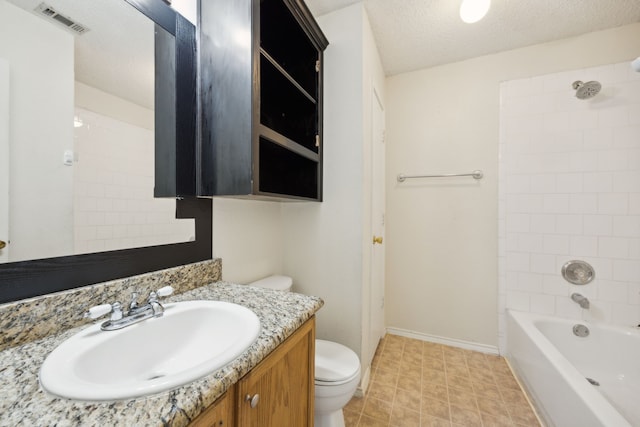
51, 14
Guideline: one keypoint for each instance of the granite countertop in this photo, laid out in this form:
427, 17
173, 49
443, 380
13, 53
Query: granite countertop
23, 402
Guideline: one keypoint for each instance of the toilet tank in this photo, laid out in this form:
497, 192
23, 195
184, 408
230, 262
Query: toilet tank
278, 283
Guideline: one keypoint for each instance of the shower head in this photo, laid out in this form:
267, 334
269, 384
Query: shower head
586, 90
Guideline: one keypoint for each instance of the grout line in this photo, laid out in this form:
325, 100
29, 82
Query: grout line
488, 368
526, 396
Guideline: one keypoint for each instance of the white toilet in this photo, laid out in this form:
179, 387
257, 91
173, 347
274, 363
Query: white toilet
337, 369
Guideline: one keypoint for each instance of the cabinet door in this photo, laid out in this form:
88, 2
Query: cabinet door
261, 100
219, 414
279, 391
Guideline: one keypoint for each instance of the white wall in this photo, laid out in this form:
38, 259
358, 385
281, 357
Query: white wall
327, 245
570, 189
442, 254
248, 236
41, 112
323, 250
4, 157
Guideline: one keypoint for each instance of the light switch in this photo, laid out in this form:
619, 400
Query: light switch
67, 158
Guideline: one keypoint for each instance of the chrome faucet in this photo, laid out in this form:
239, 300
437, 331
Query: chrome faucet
136, 314
580, 299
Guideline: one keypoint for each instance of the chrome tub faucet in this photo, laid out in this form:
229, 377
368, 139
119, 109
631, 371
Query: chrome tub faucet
580, 299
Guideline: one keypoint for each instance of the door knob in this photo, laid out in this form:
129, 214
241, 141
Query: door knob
377, 240
2, 244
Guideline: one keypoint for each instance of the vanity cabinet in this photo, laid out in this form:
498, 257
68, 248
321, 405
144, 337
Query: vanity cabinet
278, 392
261, 99
219, 414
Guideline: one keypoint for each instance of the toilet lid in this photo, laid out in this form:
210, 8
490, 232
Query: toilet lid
278, 283
335, 362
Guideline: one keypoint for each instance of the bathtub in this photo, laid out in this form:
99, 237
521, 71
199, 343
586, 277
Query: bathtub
554, 364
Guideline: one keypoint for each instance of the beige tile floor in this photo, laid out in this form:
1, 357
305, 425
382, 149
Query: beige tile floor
416, 383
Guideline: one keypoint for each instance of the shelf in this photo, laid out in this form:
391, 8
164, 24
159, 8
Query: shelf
290, 145
285, 109
288, 44
287, 75
285, 172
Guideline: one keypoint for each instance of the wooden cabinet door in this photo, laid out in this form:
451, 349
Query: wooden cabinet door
284, 384
219, 414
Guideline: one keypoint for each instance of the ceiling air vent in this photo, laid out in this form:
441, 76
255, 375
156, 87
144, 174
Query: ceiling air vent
51, 14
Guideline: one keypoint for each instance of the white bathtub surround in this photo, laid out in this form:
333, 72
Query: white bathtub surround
569, 188
114, 207
553, 364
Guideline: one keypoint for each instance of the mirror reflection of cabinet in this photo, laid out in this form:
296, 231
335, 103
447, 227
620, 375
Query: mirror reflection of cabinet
115, 26
261, 95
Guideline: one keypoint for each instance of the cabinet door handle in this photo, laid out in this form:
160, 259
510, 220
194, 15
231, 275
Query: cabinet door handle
253, 400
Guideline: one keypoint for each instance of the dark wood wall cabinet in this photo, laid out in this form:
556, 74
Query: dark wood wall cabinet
261, 100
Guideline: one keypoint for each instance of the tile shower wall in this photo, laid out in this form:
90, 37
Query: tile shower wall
113, 180
569, 188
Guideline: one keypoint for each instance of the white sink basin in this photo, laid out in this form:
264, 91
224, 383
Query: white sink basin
191, 340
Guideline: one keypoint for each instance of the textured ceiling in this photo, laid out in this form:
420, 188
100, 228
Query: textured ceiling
117, 54
415, 34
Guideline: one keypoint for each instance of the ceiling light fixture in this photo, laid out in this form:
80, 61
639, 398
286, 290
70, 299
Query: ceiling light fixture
474, 10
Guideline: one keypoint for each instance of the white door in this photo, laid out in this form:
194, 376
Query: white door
4, 159
377, 330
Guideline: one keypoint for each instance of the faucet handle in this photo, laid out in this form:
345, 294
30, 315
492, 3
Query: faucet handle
98, 311
134, 301
164, 291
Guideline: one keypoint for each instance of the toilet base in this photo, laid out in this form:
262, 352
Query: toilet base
331, 419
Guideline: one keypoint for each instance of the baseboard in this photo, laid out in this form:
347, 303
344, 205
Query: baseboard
364, 383
468, 345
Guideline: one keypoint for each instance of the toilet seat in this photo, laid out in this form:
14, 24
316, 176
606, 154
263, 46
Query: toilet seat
335, 364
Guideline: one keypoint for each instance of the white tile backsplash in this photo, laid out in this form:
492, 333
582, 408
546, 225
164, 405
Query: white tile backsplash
114, 206
597, 182
543, 263
569, 224
626, 226
555, 203
543, 304
613, 291
555, 244
626, 137
613, 247
569, 188
613, 203
583, 203
583, 246
615, 117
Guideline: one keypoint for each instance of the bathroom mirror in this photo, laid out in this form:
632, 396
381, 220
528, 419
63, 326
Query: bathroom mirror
82, 127
89, 92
